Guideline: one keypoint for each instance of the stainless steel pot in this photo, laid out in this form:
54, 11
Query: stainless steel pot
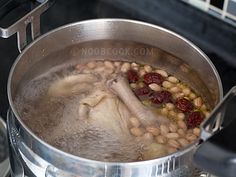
96, 39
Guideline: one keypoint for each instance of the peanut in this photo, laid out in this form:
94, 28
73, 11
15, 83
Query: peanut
191, 137
173, 143
182, 125
109, 64
91, 64
125, 67
153, 130
170, 106
196, 131
133, 85
173, 79
172, 114
174, 89
186, 91
206, 113
192, 96
148, 137
173, 127
167, 84
142, 72
155, 87
164, 129
178, 95
197, 102
134, 65
181, 132
180, 116
162, 72
147, 68
161, 139
172, 135
183, 142
164, 111
134, 122
117, 63
136, 131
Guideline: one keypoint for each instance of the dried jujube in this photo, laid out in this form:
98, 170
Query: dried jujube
132, 76
184, 105
161, 97
150, 78
194, 119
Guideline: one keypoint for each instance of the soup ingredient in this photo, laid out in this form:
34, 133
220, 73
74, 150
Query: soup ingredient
184, 105
173, 143
197, 102
183, 142
167, 84
150, 78
73, 84
161, 97
113, 111
182, 125
194, 119
111, 115
173, 79
136, 131
161, 139
196, 131
125, 67
142, 91
162, 72
134, 122
154, 150
153, 130
146, 116
132, 76
155, 87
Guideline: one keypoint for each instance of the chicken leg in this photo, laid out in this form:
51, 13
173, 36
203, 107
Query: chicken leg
120, 87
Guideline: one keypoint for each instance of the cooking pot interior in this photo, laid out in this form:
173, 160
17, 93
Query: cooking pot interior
117, 40
203, 83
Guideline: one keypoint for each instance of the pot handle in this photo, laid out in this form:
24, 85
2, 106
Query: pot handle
217, 155
20, 26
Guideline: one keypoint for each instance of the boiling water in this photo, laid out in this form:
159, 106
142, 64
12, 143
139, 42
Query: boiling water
56, 121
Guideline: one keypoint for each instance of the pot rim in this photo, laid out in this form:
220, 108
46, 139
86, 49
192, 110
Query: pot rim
178, 153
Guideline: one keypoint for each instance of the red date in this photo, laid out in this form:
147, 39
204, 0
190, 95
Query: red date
194, 119
161, 97
150, 78
132, 76
142, 91
184, 105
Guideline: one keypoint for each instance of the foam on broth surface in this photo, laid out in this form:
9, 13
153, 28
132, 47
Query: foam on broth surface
107, 130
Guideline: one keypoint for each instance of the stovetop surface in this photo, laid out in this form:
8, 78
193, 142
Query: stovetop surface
63, 12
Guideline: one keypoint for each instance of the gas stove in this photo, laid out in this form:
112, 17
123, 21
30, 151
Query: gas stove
213, 36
